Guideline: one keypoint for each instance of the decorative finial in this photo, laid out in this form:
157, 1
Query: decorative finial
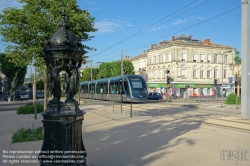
64, 21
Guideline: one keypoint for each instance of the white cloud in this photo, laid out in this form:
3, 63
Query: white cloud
186, 20
158, 28
179, 21
9, 3
111, 26
90, 2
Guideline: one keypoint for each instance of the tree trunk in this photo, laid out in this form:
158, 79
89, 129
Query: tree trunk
14, 81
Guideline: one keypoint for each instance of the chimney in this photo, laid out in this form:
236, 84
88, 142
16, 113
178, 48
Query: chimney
207, 41
173, 38
190, 37
161, 43
153, 46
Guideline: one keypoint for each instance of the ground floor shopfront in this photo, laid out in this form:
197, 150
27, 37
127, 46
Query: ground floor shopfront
190, 90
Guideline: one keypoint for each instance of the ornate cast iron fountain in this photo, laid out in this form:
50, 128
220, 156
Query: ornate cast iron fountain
62, 121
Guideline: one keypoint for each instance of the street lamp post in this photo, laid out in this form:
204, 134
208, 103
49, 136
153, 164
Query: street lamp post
91, 69
222, 76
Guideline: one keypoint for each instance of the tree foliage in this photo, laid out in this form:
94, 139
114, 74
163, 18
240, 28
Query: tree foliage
40, 85
25, 30
231, 99
237, 63
107, 70
128, 67
86, 74
14, 73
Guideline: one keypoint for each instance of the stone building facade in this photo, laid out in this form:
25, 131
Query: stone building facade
140, 65
193, 65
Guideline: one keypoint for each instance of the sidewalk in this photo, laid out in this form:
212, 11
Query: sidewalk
204, 112
158, 134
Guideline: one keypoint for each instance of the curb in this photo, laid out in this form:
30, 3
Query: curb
229, 126
9, 108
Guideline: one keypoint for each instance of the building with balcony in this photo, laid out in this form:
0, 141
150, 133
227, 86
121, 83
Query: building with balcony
193, 65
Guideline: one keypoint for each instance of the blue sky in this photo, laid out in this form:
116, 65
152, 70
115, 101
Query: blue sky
119, 19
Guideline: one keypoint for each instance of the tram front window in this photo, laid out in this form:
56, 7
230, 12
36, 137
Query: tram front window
138, 87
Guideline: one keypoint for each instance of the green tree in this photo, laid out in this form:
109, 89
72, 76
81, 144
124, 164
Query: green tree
112, 69
236, 66
25, 30
30, 85
40, 85
128, 67
104, 70
86, 74
237, 63
14, 73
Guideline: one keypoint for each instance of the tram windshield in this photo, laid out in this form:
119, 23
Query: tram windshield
138, 87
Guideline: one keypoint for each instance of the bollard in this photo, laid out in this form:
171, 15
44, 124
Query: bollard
131, 109
121, 103
113, 103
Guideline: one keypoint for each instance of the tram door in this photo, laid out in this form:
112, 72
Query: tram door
126, 89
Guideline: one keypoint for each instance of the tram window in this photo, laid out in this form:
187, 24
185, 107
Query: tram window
84, 88
105, 88
136, 84
114, 87
111, 87
120, 89
99, 88
92, 88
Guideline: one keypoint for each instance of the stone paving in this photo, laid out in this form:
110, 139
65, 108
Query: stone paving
209, 113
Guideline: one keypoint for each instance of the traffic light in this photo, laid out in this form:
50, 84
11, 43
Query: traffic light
168, 79
167, 71
215, 82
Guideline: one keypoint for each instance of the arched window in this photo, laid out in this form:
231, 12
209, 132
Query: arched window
195, 72
154, 73
208, 72
202, 72
183, 71
159, 73
215, 72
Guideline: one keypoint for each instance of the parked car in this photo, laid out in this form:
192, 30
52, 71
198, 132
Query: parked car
16, 95
154, 96
39, 95
24, 95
